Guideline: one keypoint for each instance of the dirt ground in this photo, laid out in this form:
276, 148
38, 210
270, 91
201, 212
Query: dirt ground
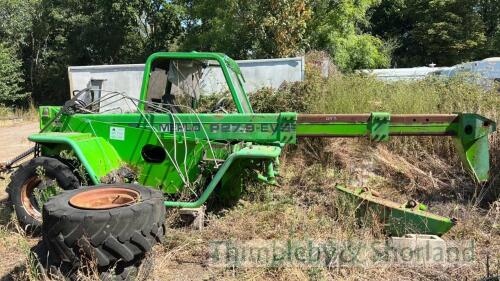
13, 141
14, 138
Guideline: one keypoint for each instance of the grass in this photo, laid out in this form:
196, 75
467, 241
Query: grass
28, 113
306, 205
13, 115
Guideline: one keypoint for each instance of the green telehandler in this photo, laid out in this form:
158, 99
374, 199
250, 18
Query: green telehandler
161, 140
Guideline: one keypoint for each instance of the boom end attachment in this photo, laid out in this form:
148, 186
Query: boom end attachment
472, 143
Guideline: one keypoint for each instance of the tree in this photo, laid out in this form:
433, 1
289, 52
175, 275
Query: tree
78, 32
15, 25
11, 80
490, 13
15, 21
445, 32
336, 26
281, 28
449, 32
159, 25
246, 29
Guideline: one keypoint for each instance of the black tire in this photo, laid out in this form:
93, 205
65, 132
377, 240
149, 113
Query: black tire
127, 273
49, 268
21, 188
107, 235
138, 270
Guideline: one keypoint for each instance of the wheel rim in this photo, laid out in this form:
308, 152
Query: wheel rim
104, 198
27, 199
35, 192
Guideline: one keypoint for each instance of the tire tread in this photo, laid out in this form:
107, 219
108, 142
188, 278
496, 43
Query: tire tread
119, 234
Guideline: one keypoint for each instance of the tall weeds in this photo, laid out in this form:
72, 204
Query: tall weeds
428, 161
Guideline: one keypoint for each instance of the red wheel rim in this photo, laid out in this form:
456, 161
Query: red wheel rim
104, 198
27, 199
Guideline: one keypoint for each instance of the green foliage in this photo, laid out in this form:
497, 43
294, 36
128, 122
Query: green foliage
246, 29
46, 189
41, 38
159, 25
450, 30
11, 77
15, 21
336, 26
434, 95
272, 28
354, 93
445, 32
80, 32
15, 26
291, 97
490, 13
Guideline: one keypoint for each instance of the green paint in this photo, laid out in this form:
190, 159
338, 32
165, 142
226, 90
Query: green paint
473, 145
97, 155
226, 64
251, 152
397, 219
379, 126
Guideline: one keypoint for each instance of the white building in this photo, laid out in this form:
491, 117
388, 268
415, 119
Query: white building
127, 78
398, 74
487, 71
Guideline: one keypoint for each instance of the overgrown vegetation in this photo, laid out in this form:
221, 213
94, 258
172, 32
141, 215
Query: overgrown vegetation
12, 113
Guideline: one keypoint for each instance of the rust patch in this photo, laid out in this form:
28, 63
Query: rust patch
104, 198
424, 118
332, 118
364, 118
27, 197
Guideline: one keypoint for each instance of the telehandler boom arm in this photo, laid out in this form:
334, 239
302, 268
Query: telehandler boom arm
469, 131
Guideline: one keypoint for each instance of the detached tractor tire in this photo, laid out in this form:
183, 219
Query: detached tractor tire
32, 183
49, 268
105, 223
